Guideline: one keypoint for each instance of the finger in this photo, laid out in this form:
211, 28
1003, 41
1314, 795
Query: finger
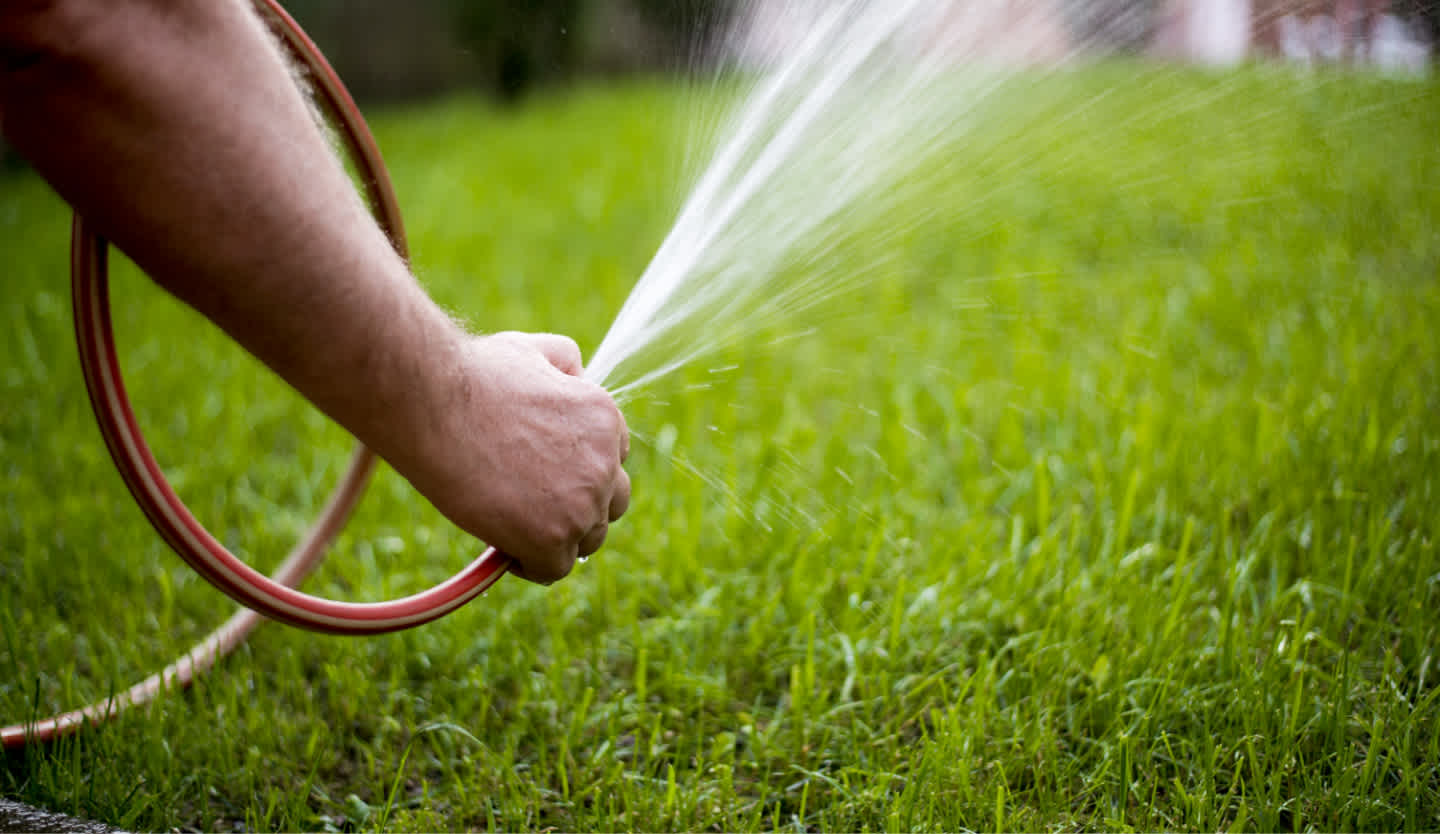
620, 500
561, 351
547, 570
594, 539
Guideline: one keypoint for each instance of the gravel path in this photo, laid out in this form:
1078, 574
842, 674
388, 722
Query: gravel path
15, 817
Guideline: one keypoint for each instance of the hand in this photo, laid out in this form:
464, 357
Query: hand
523, 453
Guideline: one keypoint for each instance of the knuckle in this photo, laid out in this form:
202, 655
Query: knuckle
595, 398
569, 522
607, 416
558, 535
600, 466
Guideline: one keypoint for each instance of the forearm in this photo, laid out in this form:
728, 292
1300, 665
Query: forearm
175, 127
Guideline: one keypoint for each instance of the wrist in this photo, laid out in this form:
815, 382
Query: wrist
414, 370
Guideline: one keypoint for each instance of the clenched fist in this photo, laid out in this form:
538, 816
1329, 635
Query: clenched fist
524, 453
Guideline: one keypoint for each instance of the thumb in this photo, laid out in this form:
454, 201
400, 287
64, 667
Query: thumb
561, 351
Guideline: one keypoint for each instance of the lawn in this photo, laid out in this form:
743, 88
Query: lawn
1109, 500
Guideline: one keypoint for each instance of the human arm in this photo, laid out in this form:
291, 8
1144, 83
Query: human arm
175, 128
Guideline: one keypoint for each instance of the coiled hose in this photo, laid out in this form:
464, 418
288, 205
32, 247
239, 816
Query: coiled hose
276, 596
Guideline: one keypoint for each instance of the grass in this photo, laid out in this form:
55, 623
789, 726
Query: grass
1111, 501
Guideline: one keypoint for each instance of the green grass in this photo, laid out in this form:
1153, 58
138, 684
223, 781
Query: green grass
1111, 501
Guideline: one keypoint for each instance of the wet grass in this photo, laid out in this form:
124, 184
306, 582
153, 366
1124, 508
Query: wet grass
1111, 501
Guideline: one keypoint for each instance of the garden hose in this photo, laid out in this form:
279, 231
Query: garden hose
275, 597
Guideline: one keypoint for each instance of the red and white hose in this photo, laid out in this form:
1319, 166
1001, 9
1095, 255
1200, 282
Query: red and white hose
275, 597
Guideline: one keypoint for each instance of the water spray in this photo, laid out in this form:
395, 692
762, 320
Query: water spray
841, 118
275, 596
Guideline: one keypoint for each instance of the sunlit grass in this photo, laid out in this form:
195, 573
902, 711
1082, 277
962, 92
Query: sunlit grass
1109, 500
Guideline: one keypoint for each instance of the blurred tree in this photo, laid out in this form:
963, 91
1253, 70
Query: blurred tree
686, 28
386, 49
518, 43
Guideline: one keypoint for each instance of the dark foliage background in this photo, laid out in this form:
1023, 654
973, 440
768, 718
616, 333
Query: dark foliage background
386, 50
389, 50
